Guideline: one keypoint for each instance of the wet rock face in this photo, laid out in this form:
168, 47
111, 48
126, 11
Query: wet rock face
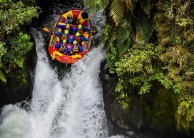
116, 114
150, 115
14, 91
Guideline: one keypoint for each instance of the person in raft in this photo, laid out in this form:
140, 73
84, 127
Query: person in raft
66, 27
72, 29
69, 19
62, 46
65, 35
79, 38
76, 48
80, 29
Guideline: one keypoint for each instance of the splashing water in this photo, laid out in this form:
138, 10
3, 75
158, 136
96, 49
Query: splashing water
69, 108
72, 107
83, 112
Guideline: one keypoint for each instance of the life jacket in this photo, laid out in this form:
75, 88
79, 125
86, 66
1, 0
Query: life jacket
64, 37
71, 38
62, 47
80, 31
75, 48
78, 39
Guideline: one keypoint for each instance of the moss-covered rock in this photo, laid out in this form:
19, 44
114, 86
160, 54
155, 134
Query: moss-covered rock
151, 115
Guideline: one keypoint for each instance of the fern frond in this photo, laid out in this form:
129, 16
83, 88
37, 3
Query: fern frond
123, 36
103, 4
126, 45
144, 28
2, 77
117, 10
129, 5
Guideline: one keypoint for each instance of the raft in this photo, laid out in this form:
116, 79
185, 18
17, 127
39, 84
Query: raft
81, 18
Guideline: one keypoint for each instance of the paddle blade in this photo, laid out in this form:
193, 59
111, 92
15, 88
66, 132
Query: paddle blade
45, 29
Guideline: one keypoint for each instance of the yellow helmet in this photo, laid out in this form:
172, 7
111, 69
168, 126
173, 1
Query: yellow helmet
79, 26
77, 34
66, 31
64, 41
74, 42
67, 26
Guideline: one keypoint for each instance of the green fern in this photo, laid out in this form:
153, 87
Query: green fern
117, 10
103, 4
123, 34
144, 28
2, 77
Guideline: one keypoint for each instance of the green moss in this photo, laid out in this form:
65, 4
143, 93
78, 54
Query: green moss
162, 109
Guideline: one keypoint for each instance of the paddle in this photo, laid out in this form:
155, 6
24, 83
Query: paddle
46, 29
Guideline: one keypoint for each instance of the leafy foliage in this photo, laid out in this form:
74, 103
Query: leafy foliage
153, 47
2, 51
2, 77
112, 55
15, 15
103, 4
176, 52
137, 69
146, 5
116, 10
123, 41
144, 28
129, 5
106, 30
118, 43
14, 45
96, 5
20, 45
93, 5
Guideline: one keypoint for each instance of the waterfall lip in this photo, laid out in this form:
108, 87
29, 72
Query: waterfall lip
65, 53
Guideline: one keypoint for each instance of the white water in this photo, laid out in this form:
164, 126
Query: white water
69, 108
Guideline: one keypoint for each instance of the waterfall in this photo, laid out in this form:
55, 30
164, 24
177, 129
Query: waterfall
68, 108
